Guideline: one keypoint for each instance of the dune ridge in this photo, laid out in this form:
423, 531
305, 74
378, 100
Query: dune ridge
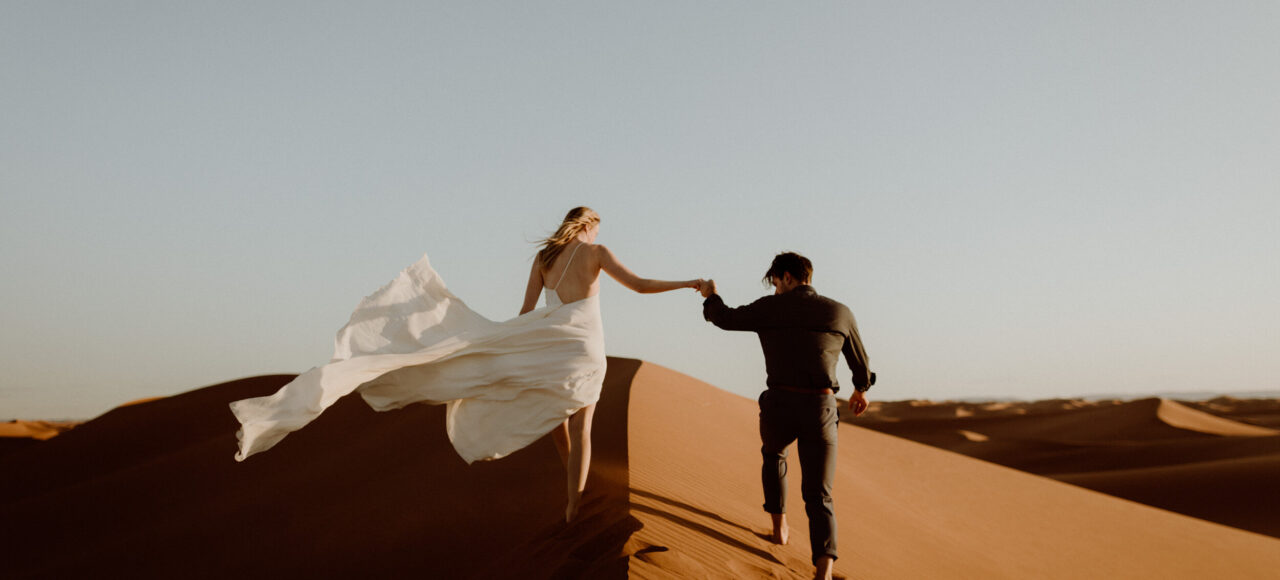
1261, 412
19, 434
905, 510
38, 430
1199, 459
1183, 417
151, 490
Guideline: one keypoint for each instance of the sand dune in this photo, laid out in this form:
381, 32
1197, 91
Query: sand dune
38, 430
1074, 422
1261, 412
1159, 452
1183, 417
151, 490
16, 435
1240, 492
905, 510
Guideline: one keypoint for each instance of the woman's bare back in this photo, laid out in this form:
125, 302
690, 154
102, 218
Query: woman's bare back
575, 275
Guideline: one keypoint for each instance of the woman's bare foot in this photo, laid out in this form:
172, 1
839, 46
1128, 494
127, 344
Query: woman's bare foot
781, 533
577, 464
571, 510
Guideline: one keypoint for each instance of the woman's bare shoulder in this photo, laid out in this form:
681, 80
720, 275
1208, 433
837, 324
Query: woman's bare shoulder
600, 250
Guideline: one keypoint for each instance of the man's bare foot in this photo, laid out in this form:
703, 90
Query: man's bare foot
825, 565
781, 533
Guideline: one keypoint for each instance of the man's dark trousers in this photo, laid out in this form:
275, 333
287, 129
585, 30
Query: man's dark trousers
812, 419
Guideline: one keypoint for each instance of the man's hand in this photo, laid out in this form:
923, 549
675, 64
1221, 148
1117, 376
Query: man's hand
858, 402
708, 288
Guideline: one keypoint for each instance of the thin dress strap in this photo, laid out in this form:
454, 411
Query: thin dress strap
566, 267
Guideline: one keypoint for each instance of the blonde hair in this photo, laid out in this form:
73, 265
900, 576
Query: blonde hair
578, 220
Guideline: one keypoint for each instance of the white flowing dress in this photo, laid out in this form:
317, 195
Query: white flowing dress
505, 384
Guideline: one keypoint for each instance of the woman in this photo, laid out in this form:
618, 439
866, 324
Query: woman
504, 384
571, 259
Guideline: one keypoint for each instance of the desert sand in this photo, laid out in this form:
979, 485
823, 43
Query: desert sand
1218, 460
17, 434
37, 430
151, 490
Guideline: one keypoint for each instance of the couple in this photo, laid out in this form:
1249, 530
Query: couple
507, 384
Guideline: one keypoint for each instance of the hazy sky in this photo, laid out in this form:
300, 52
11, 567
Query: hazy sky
1025, 199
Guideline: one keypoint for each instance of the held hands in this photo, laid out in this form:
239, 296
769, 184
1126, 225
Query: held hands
706, 288
702, 285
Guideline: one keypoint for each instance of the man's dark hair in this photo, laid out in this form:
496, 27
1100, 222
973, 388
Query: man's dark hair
792, 263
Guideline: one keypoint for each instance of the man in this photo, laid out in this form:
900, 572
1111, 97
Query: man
802, 334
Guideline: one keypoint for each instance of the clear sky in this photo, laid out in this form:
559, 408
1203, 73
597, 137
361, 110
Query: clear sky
1025, 199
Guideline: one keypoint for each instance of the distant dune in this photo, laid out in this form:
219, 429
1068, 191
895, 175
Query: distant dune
38, 430
1262, 412
1218, 460
151, 490
15, 435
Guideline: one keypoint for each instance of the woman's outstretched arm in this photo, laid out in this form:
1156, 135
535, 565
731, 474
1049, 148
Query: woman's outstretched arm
533, 289
610, 264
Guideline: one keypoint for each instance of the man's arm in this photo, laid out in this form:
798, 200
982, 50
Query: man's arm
856, 356
741, 318
863, 378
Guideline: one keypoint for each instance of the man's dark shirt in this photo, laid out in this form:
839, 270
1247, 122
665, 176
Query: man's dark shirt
802, 334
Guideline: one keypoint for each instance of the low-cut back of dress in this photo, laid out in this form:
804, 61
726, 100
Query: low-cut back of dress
552, 296
505, 384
